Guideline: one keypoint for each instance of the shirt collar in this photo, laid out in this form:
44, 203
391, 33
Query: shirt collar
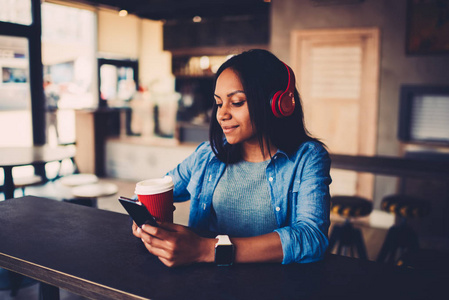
283, 153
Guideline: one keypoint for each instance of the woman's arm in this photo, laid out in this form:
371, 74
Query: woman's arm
305, 239
262, 248
177, 245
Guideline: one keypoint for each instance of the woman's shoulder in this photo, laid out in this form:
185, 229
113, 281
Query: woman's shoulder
204, 151
312, 148
204, 147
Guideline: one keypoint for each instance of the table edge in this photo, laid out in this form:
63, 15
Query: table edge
63, 280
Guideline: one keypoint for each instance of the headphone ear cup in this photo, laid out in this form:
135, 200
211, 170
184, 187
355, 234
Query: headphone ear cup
275, 104
286, 104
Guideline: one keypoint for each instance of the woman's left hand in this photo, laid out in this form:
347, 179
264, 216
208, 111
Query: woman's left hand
177, 245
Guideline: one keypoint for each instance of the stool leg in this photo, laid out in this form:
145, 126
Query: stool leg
387, 245
407, 241
409, 237
397, 237
334, 237
360, 245
16, 281
48, 292
340, 248
349, 241
346, 237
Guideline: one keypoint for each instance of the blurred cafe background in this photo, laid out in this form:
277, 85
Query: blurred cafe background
129, 84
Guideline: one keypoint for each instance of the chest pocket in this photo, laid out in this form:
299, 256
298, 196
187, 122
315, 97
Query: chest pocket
194, 190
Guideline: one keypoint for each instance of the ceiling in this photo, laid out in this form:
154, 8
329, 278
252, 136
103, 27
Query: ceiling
183, 9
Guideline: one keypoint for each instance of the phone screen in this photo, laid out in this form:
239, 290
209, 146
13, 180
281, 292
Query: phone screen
138, 212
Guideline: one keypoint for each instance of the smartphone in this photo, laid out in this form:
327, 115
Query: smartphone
138, 212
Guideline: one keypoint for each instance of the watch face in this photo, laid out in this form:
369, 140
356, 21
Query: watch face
224, 255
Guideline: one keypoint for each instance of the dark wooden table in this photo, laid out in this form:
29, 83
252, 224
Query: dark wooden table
92, 253
36, 156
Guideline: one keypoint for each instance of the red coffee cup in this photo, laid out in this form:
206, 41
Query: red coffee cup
157, 196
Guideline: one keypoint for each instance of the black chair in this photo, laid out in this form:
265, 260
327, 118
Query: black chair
22, 182
401, 238
346, 237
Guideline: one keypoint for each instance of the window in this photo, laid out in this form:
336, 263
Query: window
15, 99
16, 11
68, 56
424, 114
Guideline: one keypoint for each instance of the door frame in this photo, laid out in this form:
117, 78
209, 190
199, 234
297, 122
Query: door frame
367, 136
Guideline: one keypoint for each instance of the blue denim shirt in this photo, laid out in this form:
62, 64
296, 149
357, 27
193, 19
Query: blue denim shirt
299, 188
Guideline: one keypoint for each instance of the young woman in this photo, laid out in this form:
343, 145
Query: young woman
262, 180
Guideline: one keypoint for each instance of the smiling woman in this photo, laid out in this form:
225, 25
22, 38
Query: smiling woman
261, 183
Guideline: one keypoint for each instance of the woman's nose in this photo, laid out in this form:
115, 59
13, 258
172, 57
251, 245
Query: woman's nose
223, 113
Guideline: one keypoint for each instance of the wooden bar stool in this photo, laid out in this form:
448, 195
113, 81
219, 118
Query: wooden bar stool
401, 238
347, 236
78, 179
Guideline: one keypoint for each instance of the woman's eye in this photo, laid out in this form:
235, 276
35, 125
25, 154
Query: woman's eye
219, 104
238, 104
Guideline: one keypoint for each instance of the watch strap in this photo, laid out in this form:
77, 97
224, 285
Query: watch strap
223, 240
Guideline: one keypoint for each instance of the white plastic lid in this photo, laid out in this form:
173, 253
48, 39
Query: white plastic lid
154, 186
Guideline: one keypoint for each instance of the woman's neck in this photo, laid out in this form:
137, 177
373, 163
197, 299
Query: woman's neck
253, 153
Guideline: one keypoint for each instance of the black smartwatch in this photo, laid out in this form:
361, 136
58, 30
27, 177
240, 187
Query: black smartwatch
224, 251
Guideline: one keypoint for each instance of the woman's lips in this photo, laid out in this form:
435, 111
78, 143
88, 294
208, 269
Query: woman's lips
228, 129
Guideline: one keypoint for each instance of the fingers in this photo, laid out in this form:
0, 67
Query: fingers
157, 247
155, 242
136, 230
168, 258
163, 232
173, 244
171, 226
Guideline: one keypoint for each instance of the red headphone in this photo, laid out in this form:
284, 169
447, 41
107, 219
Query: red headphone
283, 102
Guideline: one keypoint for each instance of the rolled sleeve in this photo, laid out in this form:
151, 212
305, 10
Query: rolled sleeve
302, 244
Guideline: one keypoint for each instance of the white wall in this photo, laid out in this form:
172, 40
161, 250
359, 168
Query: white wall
118, 35
139, 161
154, 64
134, 38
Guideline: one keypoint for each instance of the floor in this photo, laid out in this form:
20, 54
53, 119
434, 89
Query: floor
373, 236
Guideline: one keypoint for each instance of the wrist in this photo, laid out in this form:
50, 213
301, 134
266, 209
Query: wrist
208, 250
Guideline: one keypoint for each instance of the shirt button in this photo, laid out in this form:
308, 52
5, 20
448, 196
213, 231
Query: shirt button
278, 208
270, 179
